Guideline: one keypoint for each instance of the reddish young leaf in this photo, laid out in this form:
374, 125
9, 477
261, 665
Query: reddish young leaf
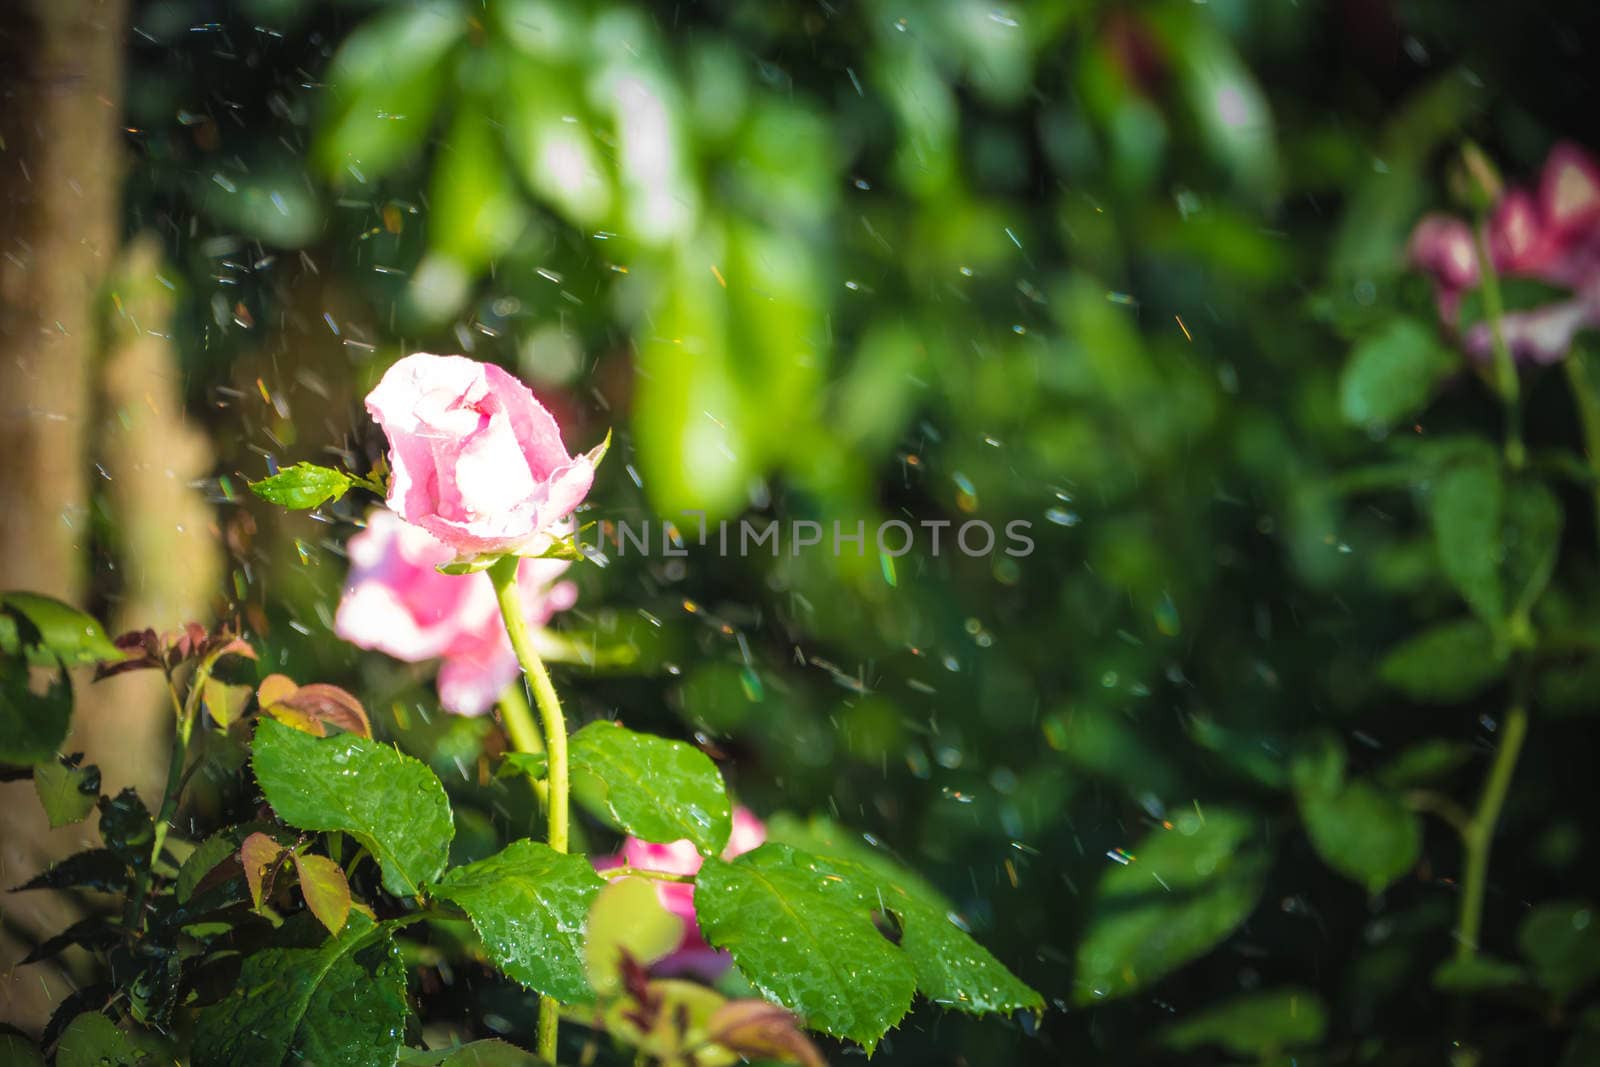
259, 855
326, 890
757, 1030
308, 708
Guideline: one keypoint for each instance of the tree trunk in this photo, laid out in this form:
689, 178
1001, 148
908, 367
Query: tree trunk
60, 173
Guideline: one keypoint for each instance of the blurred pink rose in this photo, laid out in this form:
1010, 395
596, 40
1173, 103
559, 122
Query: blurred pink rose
693, 956
1551, 236
478, 462
396, 602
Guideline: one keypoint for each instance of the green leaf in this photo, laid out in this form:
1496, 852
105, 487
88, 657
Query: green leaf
822, 836
490, 1053
1363, 831
1478, 974
304, 485
528, 904
18, 1051
655, 789
1445, 664
952, 969
1467, 508
1391, 376
627, 916
327, 891
1425, 761
1180, 893
61, 631
341, 1002
96, 868
384, 87
1531, 539
516, 764
67, 790
92, 1040
1561, 940
203, 860
33, 725
389, 802
798, 930
1255, 1024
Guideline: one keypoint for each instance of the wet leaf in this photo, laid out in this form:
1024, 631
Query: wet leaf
1255, 1024
655, 789
304, 485
529, 904
341, 1002
67, 790
490, 1053
260, 856
1180, 893
92, 1040
798, 931
308, 707
327, 892
60, 630
516, 764
389, 802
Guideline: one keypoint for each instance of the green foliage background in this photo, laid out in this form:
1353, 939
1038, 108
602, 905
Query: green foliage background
1100, 267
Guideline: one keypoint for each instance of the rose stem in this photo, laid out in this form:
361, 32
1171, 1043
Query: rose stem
504, 576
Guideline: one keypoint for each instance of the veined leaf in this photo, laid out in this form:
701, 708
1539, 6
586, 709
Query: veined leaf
389, 802
653, 788
529, 904
341, 1002
304, 485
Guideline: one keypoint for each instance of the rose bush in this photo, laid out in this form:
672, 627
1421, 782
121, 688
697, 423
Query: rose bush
478, 462
396, 601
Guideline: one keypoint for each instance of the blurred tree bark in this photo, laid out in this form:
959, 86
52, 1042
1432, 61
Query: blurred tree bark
61, 168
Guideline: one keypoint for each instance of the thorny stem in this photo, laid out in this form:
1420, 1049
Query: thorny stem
1505, 369
504, 576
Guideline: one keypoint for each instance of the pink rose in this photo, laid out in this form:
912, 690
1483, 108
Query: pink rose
692, 956
396, 602
478, 462
1552, 235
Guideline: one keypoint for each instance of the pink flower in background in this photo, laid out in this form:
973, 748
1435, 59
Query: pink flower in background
692, 956
478, 462
396, 602
1551, 235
